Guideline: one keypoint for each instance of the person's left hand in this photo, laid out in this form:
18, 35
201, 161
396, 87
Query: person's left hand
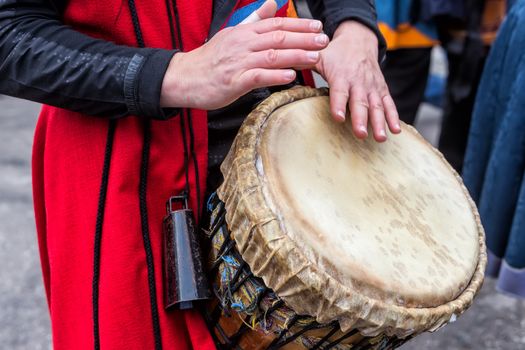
349, 65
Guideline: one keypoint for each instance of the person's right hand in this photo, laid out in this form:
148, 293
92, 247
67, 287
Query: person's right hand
242, 58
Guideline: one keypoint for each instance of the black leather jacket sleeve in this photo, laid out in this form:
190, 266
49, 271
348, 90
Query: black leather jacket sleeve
43, 60
334, 12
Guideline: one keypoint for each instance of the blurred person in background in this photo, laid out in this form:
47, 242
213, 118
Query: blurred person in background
467, 39
494, 170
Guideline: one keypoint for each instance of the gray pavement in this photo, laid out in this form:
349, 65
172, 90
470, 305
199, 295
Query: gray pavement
494, 322
24, 320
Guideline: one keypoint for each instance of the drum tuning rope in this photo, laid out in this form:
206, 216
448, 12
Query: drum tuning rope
238, 291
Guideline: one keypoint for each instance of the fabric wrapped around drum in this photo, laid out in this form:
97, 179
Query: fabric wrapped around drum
364, 244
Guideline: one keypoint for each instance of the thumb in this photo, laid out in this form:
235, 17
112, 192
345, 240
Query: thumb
267, 10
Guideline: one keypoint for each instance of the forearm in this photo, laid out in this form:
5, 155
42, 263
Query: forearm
43, 60
335, 12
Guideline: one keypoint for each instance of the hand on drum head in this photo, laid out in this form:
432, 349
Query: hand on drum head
242, 58
349, 65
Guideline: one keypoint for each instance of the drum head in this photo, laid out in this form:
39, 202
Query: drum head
383, 237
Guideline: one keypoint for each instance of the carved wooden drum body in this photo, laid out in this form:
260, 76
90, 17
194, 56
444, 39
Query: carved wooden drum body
320, 240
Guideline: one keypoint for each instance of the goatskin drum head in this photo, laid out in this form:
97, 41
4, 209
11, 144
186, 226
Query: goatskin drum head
380, 236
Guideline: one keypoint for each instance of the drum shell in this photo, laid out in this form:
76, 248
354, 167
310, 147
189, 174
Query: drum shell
261, 238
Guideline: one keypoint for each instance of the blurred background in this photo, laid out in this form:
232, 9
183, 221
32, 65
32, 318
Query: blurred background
435, 61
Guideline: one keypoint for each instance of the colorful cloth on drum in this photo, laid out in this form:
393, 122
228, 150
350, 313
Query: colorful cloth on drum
244, 10
494, 168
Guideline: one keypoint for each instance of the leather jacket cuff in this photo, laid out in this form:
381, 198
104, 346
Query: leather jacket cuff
143, 83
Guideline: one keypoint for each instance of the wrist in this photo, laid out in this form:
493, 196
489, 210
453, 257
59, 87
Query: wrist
356, 31
173, 88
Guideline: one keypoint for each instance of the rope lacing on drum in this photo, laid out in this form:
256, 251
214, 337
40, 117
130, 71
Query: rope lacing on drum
295, 326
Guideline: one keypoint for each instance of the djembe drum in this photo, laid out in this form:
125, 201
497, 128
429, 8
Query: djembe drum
323, 241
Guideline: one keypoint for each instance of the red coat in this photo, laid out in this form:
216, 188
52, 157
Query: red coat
67, 166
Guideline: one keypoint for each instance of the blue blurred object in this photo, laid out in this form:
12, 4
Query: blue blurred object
510, 3
435, 90
430, 9
397, 12
494, 169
